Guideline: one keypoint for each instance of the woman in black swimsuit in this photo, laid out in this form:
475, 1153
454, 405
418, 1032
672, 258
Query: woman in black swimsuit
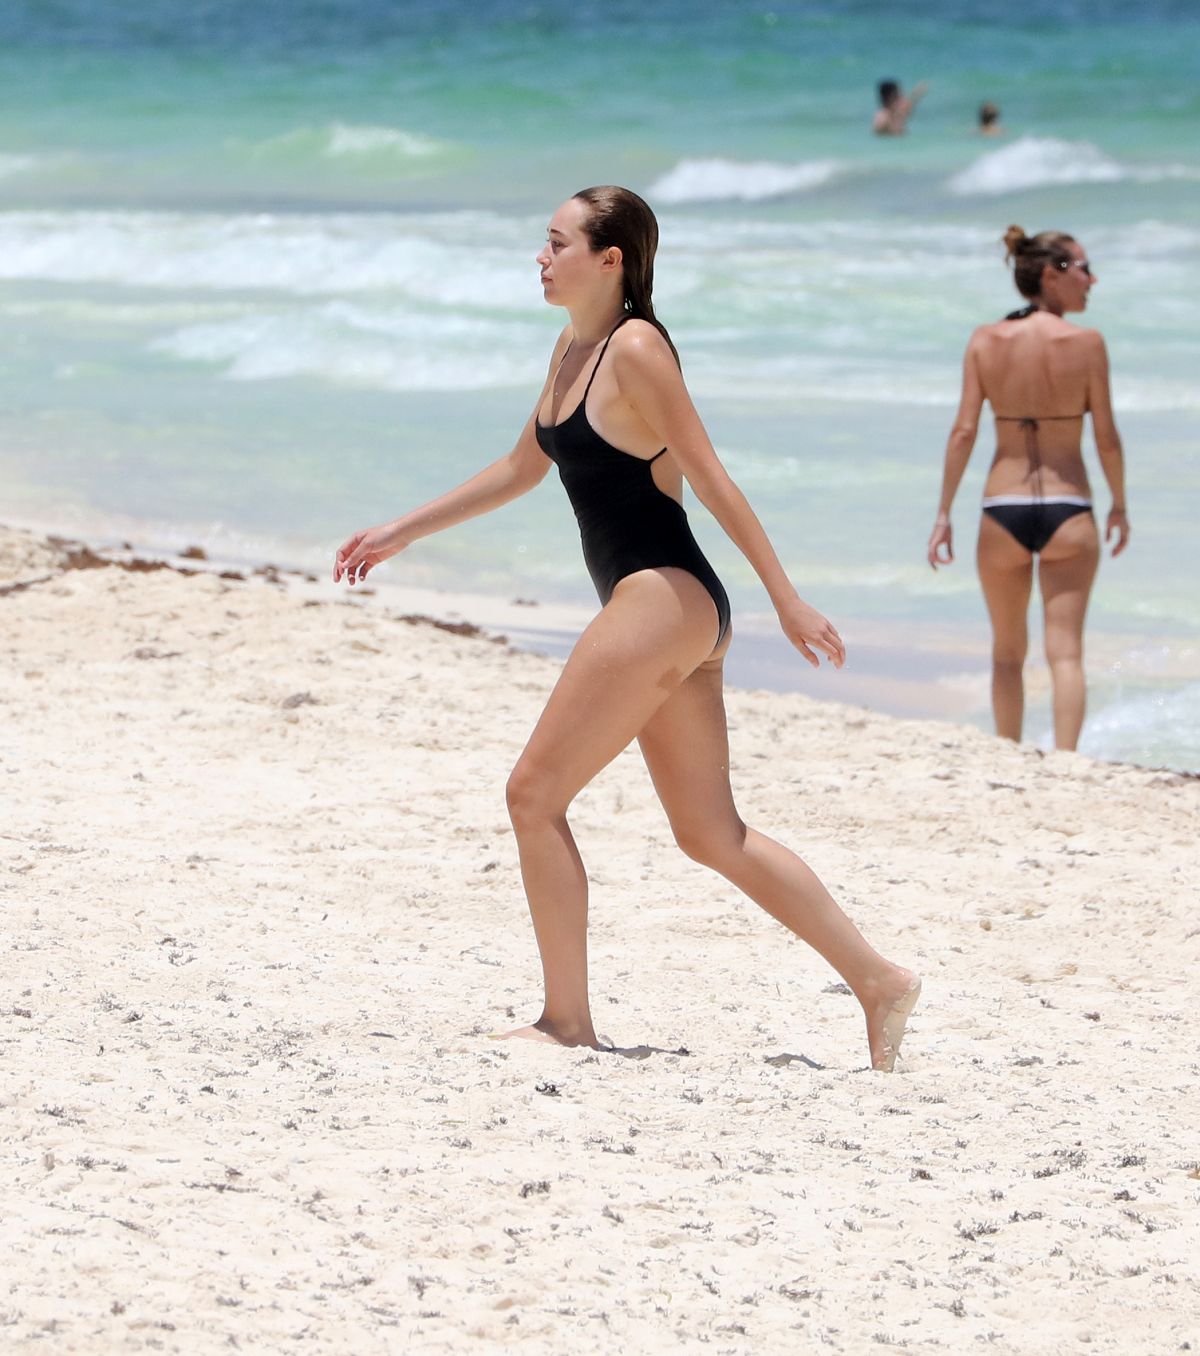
616, 418
1041, 375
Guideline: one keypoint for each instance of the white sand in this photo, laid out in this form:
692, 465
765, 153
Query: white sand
254, 949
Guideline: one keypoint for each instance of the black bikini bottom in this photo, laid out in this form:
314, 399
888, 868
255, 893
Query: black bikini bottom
1032, 522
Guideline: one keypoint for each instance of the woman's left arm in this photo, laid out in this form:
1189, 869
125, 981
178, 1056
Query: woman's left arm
649, 379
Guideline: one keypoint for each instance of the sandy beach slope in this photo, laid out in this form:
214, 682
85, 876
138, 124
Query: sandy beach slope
262, 908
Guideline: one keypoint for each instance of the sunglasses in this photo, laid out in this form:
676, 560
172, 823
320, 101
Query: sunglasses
1083, 265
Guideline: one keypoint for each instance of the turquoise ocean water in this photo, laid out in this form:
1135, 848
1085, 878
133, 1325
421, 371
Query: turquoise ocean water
266, 274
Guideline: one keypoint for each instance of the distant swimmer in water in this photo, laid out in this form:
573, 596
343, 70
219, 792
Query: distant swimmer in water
1042, 376
895, 108
989, 121
615, 417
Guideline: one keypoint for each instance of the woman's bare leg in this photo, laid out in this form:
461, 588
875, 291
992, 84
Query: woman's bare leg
1006, 573
686, 748
658, 625
1066, 571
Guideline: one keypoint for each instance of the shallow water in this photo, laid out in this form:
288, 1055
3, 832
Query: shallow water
266, 274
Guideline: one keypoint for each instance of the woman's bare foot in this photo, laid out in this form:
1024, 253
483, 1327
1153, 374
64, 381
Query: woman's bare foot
547, 1034
888, 1016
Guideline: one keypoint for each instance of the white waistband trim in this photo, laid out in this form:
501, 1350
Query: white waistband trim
998, 500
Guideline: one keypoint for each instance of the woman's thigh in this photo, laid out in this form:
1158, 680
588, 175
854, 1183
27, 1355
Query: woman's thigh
1066, 572
1006, 575
654, 631
686, 748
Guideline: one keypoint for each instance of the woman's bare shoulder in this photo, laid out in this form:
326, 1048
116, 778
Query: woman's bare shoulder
639, 345
1087, 338
984, 335
638, 336
1087, 345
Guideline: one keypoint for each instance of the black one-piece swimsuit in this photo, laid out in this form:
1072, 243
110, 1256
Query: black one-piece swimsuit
626, 523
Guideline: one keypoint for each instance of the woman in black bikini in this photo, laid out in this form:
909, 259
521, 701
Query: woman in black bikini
1041, 375
616, 418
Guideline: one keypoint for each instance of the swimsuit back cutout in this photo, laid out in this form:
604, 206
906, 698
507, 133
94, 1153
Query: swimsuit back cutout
626, 523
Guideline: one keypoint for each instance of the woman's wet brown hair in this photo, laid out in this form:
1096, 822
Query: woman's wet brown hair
617, 216
1030, 254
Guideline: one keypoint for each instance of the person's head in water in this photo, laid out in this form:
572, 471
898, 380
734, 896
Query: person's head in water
989, 119
895, 108
1050, 269
603, 237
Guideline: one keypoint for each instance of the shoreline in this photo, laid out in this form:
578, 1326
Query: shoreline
942, 673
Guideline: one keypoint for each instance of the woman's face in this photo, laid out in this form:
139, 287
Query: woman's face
1070, 286
571, 269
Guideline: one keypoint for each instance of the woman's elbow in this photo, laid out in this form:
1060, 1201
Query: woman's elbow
716, 492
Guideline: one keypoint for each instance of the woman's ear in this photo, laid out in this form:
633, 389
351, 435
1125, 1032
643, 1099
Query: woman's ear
613, 258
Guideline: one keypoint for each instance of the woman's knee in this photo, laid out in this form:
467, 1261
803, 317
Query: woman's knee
529, 793
712, 845
1063, 646
1009, 658
1065, 655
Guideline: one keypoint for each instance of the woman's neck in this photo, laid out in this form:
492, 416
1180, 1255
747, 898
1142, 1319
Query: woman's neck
1051, 307
592, 324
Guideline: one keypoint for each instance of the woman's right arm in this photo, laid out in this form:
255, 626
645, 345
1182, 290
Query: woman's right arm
1108, 440
958, 452
504, 480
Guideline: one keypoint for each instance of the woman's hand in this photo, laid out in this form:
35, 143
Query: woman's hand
364, 550
1118, 525
941, 539
808, 631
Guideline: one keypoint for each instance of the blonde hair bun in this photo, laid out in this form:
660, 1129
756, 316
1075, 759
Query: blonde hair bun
1014, 238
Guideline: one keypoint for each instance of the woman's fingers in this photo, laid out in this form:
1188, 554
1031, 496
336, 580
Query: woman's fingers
940, 551
345, 553
831, 645
810, 633
357, 566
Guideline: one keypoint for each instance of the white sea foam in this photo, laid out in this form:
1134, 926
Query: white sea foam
1034, 162
354, 346
299, 254
339, 140
739, 181
1148, 727
16, 164
347, 139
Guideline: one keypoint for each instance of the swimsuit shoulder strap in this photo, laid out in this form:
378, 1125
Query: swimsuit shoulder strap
600, 359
